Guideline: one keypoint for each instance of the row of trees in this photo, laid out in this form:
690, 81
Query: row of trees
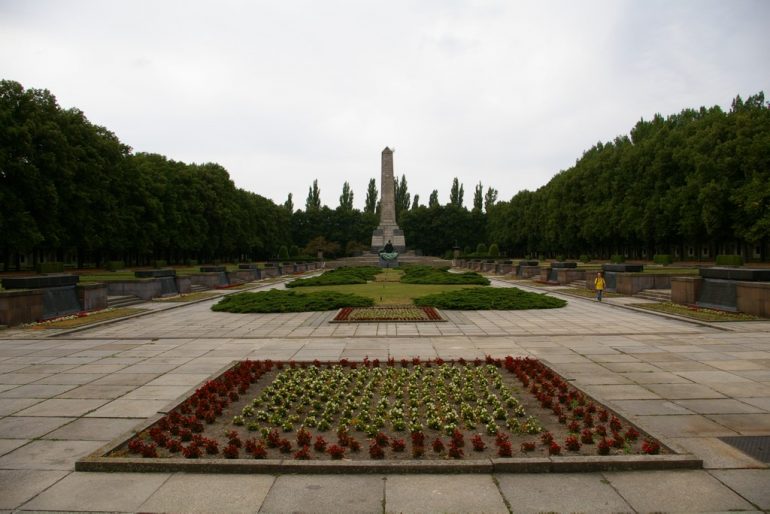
71, 188
700, 178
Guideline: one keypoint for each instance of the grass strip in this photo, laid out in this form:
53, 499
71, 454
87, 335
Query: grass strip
696, 313
430, 275
482, 298
337, 277
278, 300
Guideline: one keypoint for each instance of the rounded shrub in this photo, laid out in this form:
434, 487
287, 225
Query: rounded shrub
283, 253
481, 249
729, 260
585, 259
662, 258
618, 258
494, 250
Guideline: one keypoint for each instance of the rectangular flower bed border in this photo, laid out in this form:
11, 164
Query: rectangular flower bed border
343, 313
99, 461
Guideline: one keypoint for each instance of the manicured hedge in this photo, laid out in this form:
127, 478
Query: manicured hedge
339, 277
729, 260
489, 298
277, 300
430, 275
662, 258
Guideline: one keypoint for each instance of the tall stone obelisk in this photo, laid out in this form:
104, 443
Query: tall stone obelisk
388, 229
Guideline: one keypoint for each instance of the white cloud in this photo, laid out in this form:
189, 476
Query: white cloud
281, 93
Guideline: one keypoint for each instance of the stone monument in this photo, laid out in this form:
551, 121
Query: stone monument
388, 230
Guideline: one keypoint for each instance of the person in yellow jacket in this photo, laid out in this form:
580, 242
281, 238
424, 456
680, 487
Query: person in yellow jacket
599, 285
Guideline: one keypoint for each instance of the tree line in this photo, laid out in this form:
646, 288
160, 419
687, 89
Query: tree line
698, 179
70, 190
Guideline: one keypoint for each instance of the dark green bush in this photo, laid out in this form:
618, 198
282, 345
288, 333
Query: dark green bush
283, 253
338, 277
585, 259
662, 258
494, 250
729, 260
449, 255
481, 249
428, 275
114, 265
49, 267
293, 251
467, 250
489, 298
617, 258
159, 263
279, 300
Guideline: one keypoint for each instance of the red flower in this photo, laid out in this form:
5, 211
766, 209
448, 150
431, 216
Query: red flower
455, 451
504, 449
528, 446
603, 447
320, 444
554, 448
192, 451
376, 451
632, 434
572, 443
273, 438
212, 447
304, 437
135, 445
615, 424
398, 445
149, 451
546, 438
418, 451
478, 443
457, 438
303, 453
573, 426
587, 437
381, 439
418, 439
651, 447
284, 445
230, 452
174, 446
336, 452
438, 445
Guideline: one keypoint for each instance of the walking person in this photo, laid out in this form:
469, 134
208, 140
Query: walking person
599, 285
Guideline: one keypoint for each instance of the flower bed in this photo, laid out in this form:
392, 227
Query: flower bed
408, 313
410, 411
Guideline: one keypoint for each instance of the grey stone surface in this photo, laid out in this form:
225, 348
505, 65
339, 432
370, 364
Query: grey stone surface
675, 491
577, 492
62, 407
122, 492
121, 408
442, 493
325, 493
48, 455
94, 429
753, 484
210, 493
716, 454
23, 427
18, 486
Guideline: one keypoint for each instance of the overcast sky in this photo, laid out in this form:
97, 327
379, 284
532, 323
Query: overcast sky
284, 92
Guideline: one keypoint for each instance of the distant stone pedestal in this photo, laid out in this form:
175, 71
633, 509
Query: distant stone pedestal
20, 306
729, 289
685, 290
388, 263
92, 296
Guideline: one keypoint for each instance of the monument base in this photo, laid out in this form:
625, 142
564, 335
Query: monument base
381, 236
388, 263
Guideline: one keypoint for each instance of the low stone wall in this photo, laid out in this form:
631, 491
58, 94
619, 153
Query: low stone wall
146, 288
183, 285
209, 280
488, 267
630, 283
568, 275
503, 268
754, 298
685, 290
242, 276
529, 271
20, 306
271, 272
93, 296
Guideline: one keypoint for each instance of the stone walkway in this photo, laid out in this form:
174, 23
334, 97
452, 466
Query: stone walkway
64, 395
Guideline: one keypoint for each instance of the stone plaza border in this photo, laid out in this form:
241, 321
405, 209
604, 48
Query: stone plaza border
98, 461
342, 315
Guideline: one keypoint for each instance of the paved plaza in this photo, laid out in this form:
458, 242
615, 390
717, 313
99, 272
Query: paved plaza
65, 394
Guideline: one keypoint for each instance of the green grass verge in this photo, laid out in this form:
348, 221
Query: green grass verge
587, 293
389, 292
278, 300
94, 317
188, 297
429, 275
483, 298
339, 276
697, 313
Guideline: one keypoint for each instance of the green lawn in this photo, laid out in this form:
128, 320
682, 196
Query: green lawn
389, 293
700, 314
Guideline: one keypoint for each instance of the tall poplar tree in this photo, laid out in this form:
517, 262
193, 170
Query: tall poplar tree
372, 196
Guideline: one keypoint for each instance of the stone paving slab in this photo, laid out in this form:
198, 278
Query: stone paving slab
684, 491
325, 493
121, 492
577, 492
29, 427
18, 486
716, 454
94, 429
62, 407
42, 454
443, 493
210, 493
753, 484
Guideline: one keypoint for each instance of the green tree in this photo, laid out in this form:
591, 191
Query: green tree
416, 202
402, 196
372, 197
490, 198
478, 197
456, 193
346, 198
433, 199
313, 202
289, 203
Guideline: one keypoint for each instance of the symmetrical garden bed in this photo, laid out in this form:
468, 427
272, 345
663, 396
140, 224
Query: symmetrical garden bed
511, 414
384, 313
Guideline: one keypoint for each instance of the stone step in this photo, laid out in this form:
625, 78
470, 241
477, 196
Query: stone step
116, 302
579, 284
657, 295
197, 288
